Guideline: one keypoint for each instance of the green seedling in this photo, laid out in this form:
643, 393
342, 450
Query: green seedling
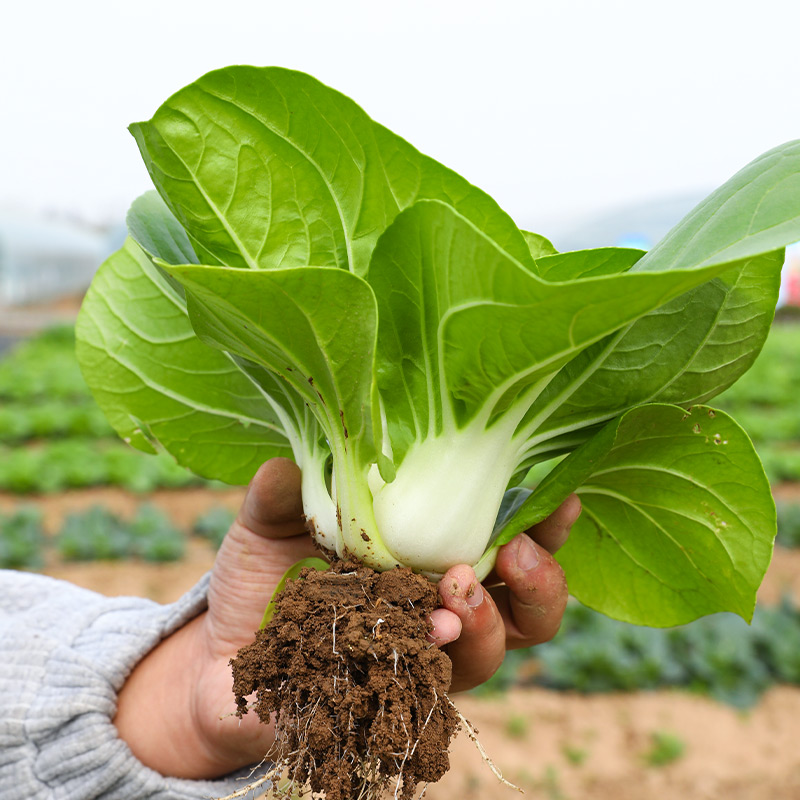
666, 748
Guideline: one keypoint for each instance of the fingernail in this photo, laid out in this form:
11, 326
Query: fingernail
469, 589
527, 555
474, 595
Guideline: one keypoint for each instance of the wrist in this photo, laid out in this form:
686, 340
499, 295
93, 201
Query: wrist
176, 710
156, 708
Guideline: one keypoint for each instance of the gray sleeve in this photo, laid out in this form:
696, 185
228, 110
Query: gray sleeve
64, 654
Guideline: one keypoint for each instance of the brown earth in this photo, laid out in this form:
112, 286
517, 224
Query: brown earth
555, 745
563, 746
358, 693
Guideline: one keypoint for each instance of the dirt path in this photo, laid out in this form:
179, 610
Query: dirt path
559, 746
183, 506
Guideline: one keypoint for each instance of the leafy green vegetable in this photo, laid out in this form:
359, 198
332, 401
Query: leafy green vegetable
153, 537
43, 367
75, 463
306, 283
98, 533
94, 534
21, 539
214, 524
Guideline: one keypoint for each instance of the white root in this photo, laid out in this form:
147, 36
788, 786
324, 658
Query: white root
484, 755
250, 787
369, 790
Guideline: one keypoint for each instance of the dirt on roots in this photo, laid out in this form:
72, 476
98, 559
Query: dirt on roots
358, 694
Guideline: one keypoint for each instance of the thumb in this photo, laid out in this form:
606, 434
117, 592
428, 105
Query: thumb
273, 506
267, 537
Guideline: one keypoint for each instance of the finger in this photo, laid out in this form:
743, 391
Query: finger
533, 601
480, 649
552, 532
446, 627
273, 507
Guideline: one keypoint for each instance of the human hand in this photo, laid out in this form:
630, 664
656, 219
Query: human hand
176, 709
523, 607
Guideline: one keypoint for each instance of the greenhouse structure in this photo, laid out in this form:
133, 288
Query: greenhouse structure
41, 260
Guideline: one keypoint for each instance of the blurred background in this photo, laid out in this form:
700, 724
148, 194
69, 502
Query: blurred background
590, 123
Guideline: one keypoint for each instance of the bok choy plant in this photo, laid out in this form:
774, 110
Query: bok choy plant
305, 283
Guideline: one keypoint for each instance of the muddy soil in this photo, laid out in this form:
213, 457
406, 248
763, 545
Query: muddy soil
358, 692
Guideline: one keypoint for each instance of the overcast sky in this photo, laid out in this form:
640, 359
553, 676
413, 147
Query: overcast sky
556, 108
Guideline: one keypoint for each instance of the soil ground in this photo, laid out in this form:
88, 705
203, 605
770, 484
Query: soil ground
554, 745
559, 746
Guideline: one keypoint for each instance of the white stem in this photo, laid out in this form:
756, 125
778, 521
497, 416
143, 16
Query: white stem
441, 507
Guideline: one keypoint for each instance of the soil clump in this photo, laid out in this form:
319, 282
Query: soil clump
357, 691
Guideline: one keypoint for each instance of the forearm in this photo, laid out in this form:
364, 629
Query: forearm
173, 714
64, 655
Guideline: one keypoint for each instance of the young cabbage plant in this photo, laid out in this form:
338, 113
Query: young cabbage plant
304, 283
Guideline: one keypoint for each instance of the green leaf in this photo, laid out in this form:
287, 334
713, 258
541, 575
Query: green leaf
314, 328
291, 574
740, 329
678, 520
587, 263
266, 168
155, 229
755, 212
685, 352
538, 245
159, 385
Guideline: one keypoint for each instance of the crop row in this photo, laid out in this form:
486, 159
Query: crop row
52, 466
788, 523
43, 367
21, 421
721, 655
99, 534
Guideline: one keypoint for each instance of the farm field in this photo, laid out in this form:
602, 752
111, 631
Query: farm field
659, 743
553, 744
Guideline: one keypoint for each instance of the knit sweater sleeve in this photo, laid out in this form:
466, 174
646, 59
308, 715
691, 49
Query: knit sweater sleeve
65, 652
